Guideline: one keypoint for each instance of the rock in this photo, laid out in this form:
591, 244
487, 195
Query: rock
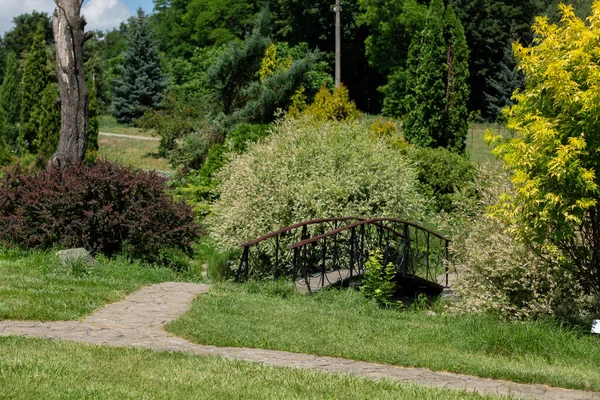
70, 256
430, 313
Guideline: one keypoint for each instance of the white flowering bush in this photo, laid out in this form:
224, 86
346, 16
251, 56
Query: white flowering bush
310, 169
498, 272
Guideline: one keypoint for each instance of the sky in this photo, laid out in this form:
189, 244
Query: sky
99, 14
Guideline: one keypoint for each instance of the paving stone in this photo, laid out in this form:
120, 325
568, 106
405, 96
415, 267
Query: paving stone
137, 321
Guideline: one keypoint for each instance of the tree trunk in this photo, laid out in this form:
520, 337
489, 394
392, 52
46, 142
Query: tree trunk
69, 37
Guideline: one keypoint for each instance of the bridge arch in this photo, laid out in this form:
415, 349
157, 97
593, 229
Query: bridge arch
336, 256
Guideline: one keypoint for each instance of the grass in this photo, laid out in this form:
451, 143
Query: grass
343, 324
108, 123
132, 152
34, 368
476, 146
36, 287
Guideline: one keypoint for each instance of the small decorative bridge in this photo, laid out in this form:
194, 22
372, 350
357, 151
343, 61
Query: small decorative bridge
332, 252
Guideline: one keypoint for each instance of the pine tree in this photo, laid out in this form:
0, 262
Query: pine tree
10, 91
436, 83
140, 83
34, 82
502, 86
425, 119
456, 124
47, 117
5, 156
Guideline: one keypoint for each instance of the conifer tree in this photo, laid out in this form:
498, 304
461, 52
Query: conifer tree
10, 91
47, 117
427, 102
34, 82
456, 114
140, 83
5, 156
503, 84
93, 127
436, 83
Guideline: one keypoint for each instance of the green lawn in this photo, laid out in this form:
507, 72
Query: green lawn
36, 287
476, 146
34, 368
132, 152
108, 123
342, 324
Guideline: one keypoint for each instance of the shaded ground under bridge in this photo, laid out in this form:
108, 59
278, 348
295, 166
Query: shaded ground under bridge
333, 251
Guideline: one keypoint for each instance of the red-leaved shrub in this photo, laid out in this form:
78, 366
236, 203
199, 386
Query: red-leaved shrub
101, 207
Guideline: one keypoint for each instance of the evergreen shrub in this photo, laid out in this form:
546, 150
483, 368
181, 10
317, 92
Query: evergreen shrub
334, 105
106, 208
310, 169
444, 176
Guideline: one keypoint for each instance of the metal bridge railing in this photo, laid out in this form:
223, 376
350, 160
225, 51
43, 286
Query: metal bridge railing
322, 257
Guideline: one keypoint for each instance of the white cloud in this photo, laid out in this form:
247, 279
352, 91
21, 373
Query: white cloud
104, 14
100, 14
12, 8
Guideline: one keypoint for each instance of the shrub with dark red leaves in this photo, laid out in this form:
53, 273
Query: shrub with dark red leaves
101, 207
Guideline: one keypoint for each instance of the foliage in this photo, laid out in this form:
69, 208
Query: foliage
233, 71
444, 177
310, 169
182, 26
437, 83
378, 281
10, 91
140, 82
103, 207
189, 75
334, 106
22, 36
554, 155
502, 86
393, 25
200, 187
95, 64
178, 117
93, 124
499, 273
34, 82
48, 122
218, 265
490, 27
387, 130
5, 156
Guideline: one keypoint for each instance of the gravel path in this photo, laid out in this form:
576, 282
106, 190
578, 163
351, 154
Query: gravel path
137, 322
124, 136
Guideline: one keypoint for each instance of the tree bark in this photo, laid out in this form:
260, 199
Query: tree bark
69, 37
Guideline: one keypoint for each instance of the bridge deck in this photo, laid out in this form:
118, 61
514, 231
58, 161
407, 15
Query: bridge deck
407, 283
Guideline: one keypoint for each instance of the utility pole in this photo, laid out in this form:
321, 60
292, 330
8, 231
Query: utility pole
338, 44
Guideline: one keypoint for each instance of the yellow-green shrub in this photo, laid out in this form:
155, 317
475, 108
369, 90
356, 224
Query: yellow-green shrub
330, 106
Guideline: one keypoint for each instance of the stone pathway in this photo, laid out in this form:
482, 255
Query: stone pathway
137, 322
